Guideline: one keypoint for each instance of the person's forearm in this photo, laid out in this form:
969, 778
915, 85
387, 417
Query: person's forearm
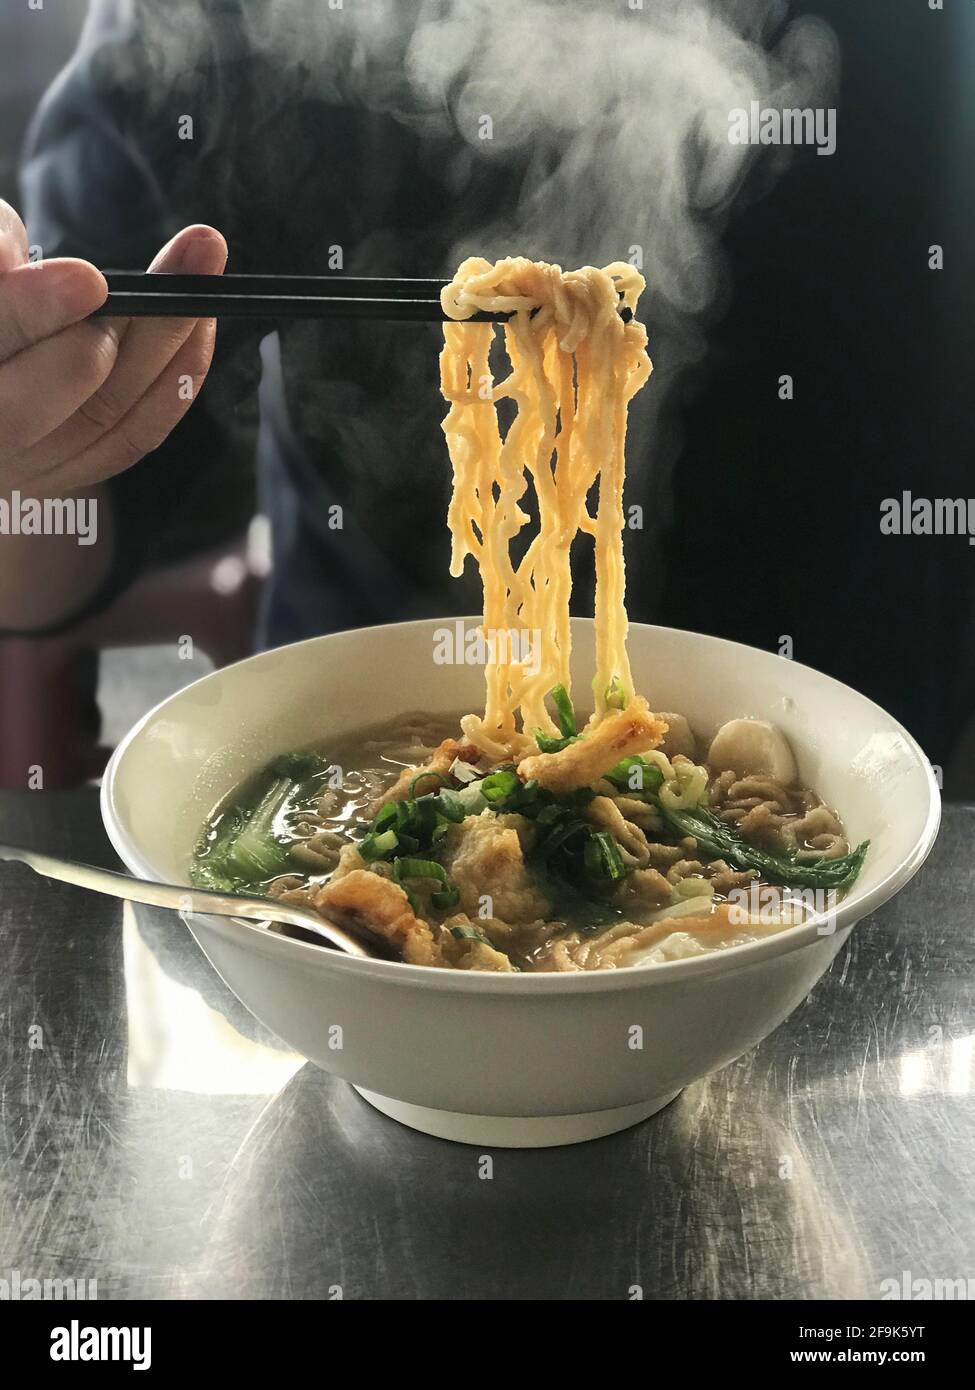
46, 577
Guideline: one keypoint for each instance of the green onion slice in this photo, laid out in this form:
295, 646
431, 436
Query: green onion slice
440, 780
466, 933
565, 714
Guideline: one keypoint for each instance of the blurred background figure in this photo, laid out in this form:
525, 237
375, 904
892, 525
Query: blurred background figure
35, 47
322, 139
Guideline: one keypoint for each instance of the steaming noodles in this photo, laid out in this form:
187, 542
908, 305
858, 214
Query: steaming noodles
529, 842
575, 365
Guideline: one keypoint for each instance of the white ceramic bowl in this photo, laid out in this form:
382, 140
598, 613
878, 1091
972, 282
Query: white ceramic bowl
526, 1059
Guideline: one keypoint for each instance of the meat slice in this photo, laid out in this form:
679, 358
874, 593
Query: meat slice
616, 736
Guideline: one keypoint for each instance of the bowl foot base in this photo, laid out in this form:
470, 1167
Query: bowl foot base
515, 1131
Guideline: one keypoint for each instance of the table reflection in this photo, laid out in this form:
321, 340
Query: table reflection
164, 1142
179, 1042
941, 1067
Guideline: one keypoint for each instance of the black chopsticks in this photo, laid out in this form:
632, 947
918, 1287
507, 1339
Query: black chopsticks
137, 294
142, 295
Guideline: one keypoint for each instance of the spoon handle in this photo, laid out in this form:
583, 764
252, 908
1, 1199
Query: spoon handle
182, 899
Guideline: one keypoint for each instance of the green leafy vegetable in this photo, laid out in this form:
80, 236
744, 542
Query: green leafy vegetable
245, 847
721, 841
718, 840
255, 853
298, 767
602, 857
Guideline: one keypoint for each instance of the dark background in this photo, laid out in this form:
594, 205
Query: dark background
776, 505
34, 46
831, 285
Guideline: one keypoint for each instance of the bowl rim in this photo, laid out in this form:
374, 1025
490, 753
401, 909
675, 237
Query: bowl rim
849, 911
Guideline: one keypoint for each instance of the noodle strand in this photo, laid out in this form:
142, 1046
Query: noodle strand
575, 366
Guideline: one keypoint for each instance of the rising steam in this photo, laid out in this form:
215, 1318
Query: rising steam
617, 112
613, 114
606, 122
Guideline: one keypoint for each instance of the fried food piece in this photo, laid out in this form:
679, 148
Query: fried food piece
469, 953
580, 764
362, 901
484, 857
439, 762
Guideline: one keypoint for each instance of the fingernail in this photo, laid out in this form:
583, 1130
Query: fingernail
194, 255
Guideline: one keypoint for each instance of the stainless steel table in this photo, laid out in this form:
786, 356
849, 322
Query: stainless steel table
157, 1139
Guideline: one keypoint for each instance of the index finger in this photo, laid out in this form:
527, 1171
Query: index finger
13, 238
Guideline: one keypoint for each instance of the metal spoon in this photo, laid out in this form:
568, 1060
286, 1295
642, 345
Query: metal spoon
183, 899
